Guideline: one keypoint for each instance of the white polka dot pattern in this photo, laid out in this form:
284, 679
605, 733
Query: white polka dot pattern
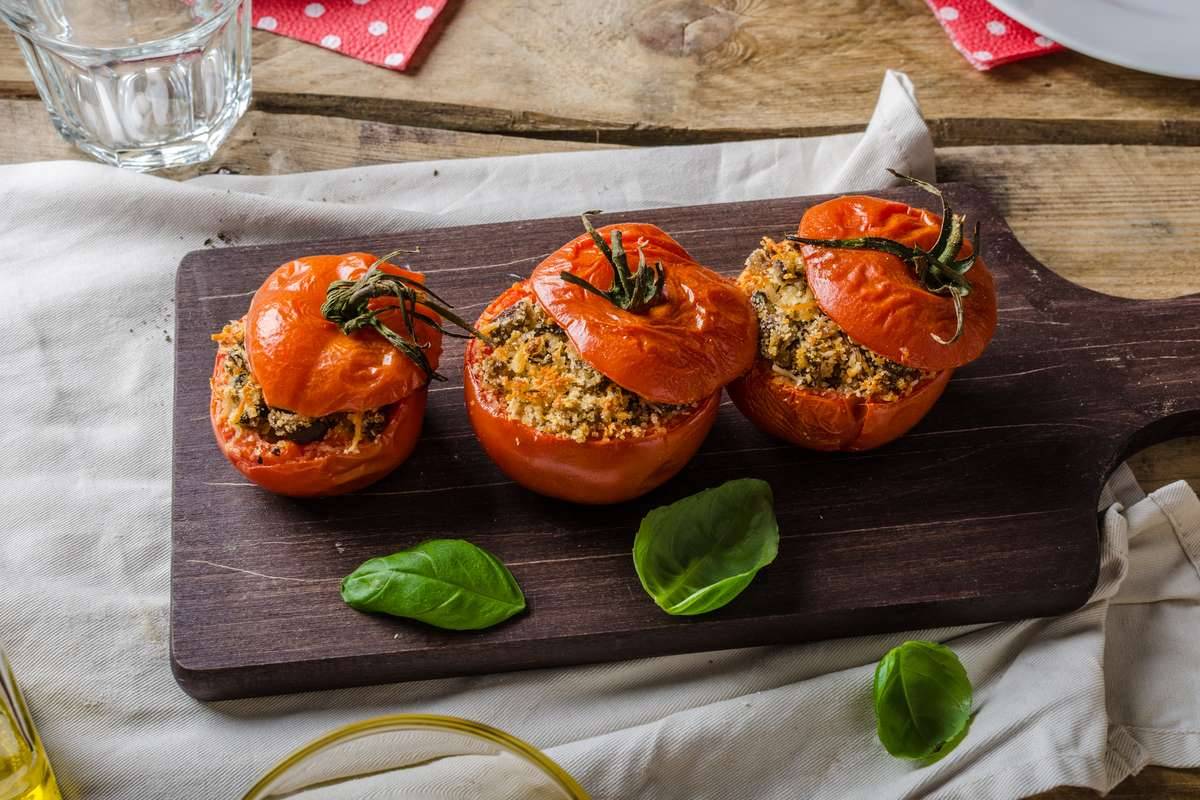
984, 36
381, 32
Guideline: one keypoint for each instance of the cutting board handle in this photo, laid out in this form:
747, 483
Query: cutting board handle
1132, 365
1127, 368
1160, 368
985, 511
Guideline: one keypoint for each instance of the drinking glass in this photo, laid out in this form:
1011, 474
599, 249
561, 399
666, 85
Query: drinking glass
143, 84
409, 756
25, 773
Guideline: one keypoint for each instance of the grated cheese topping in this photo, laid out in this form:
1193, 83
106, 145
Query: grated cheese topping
539, 378
243, 406
802, 343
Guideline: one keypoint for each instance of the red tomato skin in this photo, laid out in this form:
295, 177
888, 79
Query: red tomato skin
304, 363
593, 472
317, 470
698, 336
826, 420
875, 297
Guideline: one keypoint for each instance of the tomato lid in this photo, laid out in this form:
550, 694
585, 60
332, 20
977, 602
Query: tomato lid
877, 298
305, 364
697, 334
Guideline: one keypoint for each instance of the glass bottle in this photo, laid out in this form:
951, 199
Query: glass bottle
25, 773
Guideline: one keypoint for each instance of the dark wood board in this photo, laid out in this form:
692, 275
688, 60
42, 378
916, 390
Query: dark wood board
986, 511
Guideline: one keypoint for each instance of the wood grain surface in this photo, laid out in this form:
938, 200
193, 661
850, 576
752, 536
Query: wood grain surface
658, 71
986, 511
1084, 208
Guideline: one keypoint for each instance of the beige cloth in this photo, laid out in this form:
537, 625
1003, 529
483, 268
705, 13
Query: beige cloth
85, 459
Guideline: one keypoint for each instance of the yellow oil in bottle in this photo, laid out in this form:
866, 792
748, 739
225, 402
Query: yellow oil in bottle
25, 772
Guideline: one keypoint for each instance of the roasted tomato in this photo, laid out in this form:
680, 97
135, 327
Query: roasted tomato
862, 319
830, 420
598, 382
321, 467
320, 389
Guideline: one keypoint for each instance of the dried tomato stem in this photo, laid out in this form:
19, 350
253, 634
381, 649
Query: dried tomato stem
347, 306
937, 269
631, 290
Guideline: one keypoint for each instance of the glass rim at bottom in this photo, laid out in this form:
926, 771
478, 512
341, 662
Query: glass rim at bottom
191, 151
437, 722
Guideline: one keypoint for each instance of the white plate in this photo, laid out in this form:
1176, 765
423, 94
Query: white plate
1159, 36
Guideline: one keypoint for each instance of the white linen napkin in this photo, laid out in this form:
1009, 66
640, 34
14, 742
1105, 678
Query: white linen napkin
1086, 698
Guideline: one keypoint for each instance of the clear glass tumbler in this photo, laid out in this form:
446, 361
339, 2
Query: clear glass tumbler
25, 773
143, 84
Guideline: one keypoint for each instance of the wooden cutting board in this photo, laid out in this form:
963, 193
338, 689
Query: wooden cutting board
986, 511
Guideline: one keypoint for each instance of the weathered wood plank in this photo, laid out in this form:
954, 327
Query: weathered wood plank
1070, 205
654, 71
1168, 462
1152, 783
28, 134
271, 144
1096, 213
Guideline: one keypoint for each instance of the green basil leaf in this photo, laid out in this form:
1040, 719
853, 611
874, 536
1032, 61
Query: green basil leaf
698, 553
449, 583
922, 701
944, 749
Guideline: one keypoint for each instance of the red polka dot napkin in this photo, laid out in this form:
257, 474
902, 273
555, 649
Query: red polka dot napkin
986, 37
382, 32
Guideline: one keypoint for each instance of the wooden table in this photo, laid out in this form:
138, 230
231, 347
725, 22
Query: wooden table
1055, 139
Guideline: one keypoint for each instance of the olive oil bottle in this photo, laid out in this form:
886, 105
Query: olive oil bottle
25, 773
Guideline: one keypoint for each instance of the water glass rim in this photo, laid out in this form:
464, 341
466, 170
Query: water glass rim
21, 25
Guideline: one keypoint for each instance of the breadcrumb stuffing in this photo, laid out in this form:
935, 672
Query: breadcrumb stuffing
540, 379
802, 342
243, 405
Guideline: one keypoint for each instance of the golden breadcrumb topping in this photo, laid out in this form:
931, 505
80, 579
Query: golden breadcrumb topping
538, 377
804, 344
243, 406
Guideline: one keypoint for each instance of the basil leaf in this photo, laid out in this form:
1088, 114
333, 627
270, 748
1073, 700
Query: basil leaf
698, 553
922, 701
944, 748
449, 583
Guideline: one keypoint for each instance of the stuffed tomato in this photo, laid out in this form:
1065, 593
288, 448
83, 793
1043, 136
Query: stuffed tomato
598, 382
862, 318
320, 388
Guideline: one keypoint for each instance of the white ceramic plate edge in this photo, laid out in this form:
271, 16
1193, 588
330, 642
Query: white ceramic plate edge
1050, 26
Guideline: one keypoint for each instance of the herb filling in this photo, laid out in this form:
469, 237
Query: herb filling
803, 343
539, 378
243, 406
